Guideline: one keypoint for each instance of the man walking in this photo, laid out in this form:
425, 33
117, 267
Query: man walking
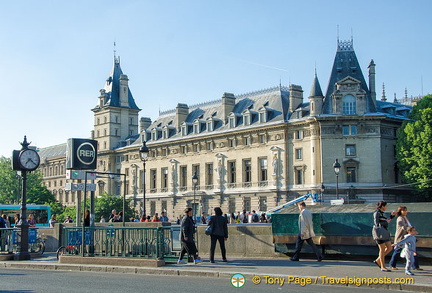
306, 232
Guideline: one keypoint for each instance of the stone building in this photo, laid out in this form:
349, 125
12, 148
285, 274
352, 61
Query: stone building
252, 151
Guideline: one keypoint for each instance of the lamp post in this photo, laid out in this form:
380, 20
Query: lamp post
143, 151
337, 167
194, 182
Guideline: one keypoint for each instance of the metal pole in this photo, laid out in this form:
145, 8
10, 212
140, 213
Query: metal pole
23, 224
337, 186
144, 188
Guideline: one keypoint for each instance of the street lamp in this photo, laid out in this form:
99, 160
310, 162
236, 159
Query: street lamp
143, 151
337, 167
194, 182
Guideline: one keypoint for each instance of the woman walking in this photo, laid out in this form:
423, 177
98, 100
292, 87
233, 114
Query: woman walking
187, 232
402, 225
218, 224
384, 245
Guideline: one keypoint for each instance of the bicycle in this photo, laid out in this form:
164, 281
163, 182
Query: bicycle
70, 249
37, 247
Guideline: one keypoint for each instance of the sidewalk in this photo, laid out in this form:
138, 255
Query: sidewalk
327, 272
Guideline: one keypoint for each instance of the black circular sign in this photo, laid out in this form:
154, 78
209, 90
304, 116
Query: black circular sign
86, 153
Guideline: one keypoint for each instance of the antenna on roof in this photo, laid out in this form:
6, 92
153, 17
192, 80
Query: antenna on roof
337, 33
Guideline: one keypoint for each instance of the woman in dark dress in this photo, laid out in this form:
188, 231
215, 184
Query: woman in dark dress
384, 245
219, 233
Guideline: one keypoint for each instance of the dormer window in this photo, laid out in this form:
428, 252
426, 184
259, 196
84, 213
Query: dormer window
349, 105
232, 121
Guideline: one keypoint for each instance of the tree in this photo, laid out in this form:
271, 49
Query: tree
414, 148
107, 202
37, 193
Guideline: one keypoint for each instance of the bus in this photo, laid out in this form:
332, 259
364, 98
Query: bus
42, 213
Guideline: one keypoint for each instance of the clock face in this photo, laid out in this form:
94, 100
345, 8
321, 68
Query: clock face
29, 160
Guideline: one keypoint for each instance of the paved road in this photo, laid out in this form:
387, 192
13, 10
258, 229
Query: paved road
33, 281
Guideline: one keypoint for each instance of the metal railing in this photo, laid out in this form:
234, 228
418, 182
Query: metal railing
10, 239
114, 241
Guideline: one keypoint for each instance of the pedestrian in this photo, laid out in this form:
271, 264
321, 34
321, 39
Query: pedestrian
163, 217
31, 221
203, 219
255, 217
67, 220
384, 245
16, 219
53, 220
244, 217
187, 232
155, 218
219, 233
409, 251
87, 218
6, 220
112, 216
143, 218
232, 218
148, 219
238, 218
102, 219
402, 225
119, 217
306, 233
263, 218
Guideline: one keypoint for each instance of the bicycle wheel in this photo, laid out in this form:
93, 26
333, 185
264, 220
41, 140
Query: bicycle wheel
60, 251
40, 246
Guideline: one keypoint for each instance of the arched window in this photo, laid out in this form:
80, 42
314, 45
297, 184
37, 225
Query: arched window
349, 105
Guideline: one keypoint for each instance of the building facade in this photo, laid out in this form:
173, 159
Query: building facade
250, 152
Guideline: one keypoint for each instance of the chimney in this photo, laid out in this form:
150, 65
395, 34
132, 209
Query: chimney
145, 122
182, 111
124, 91
296, 97
228, 103
372, 90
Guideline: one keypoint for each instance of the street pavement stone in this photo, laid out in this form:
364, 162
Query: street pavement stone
256, 270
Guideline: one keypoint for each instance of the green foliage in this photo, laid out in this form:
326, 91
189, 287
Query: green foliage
37, 193
10, 183
68, 211
107, 202
414, 148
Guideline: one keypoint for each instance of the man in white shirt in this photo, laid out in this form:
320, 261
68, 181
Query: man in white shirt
306, 232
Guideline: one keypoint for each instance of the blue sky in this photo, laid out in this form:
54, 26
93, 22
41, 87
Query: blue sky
56, 55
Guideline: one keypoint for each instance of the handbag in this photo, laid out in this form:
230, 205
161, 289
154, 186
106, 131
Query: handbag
209, 229
380, 233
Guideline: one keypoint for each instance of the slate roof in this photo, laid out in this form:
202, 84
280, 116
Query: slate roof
345, 64
52, 151
274, 100
112, 87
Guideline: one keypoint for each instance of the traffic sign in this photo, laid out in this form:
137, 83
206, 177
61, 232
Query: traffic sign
79, 187
80, 175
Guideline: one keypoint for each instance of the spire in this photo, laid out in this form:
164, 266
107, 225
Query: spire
316, 88
406, 94
383, 97
395, 99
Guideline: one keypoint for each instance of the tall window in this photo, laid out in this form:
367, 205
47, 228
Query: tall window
164, 178
299, 176
232, 206
247, 171
183, 176
231, 172
247, 140
247, 204
232, 143
299, 154
349, 129
153, 177
263, 169
209, 174
299, 134
262, 203
350, 150
349, 105
351, 175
